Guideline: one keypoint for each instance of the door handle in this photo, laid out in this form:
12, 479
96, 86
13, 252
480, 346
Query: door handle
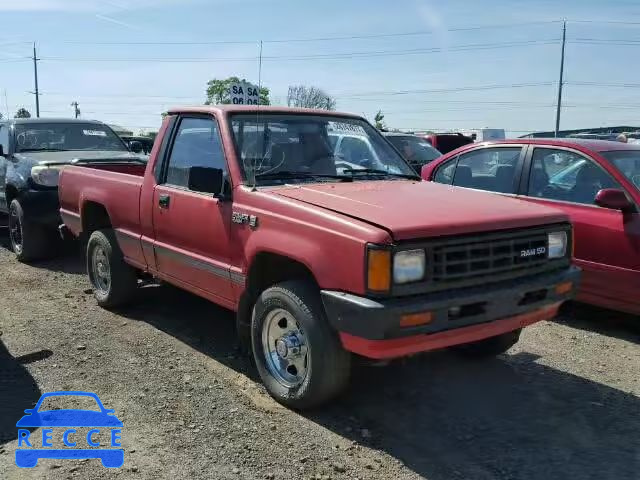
164, 200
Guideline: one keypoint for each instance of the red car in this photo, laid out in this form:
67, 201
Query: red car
596, 182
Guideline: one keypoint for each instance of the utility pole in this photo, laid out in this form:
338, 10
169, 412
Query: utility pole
76, 110
559, 106
35, 78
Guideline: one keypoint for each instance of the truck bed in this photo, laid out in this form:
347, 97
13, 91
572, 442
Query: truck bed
116, 188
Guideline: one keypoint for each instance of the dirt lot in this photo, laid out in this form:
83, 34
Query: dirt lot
563, 403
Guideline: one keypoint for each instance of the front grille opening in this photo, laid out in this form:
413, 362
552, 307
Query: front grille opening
533, 297
469, 310
479, 258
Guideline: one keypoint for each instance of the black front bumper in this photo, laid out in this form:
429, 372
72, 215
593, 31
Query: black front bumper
41, 206
379, 319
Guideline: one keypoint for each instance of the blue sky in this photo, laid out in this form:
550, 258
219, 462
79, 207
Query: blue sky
75, 40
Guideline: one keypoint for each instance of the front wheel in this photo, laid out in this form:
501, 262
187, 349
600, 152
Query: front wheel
298, 356
490, 347
114, 281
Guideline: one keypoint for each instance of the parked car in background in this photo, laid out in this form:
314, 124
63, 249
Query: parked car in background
485, 134
138, 144
446, 142
32, 152
415, 150
320, 257
597, 183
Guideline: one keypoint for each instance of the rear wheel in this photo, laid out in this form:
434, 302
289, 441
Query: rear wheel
114, 281
490, 347
29, 240
298, 356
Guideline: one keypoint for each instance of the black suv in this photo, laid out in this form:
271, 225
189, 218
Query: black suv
32, 152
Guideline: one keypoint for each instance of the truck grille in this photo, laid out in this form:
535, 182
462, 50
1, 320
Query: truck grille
481, 259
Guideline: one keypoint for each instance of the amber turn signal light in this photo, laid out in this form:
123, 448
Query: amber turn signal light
563, 288
379, 270
416, 319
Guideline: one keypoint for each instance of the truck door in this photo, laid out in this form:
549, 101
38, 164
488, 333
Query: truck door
191, 228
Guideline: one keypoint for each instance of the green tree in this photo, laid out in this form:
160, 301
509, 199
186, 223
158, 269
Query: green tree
218, 91
379, 120
22, 113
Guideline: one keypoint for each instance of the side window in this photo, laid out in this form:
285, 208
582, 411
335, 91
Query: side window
491, 169
197, 144
444, 174
567, 176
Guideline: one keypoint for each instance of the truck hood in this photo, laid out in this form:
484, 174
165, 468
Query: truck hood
57, 158
412, 209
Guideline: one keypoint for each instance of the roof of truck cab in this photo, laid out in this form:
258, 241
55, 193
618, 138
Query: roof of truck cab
257, 109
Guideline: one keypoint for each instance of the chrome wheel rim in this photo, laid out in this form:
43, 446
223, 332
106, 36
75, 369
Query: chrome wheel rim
101, 270
285, 347
15, 231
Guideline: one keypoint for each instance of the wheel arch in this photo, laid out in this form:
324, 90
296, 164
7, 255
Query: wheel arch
94, 217
266, 269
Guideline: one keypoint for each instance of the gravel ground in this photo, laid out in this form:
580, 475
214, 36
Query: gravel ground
563, 403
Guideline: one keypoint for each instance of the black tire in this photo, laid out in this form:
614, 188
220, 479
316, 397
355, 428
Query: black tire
328, 365
29, 240
114, 282
490, 347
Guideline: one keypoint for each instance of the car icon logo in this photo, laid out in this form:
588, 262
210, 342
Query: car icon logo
69, 419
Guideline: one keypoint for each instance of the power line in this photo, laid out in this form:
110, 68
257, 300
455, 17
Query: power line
610, 22
322, 39
446, 90
338, 95
603, 84
582, 39
328, 56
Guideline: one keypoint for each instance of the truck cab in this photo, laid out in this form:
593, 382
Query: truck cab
322, 259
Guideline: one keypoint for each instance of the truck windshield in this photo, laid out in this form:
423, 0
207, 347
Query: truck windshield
627, 161
57, 136
286, 148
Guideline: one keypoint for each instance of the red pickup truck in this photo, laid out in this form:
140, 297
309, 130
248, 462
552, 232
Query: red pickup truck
321, 258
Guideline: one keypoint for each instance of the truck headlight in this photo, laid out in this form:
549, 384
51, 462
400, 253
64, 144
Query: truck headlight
557, 242
45, 176
409, 266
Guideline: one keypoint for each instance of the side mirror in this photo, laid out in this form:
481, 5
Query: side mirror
135, 146
29, 411
206, 180
614, 199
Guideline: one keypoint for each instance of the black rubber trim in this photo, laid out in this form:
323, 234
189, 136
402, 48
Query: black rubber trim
378, 319
200, 264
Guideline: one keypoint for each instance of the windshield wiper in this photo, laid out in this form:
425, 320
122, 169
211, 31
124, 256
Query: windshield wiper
377, 171
42, 150
289, 174
141, 161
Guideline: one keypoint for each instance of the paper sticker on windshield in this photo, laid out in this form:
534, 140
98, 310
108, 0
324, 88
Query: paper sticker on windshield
95, 133
340, 127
